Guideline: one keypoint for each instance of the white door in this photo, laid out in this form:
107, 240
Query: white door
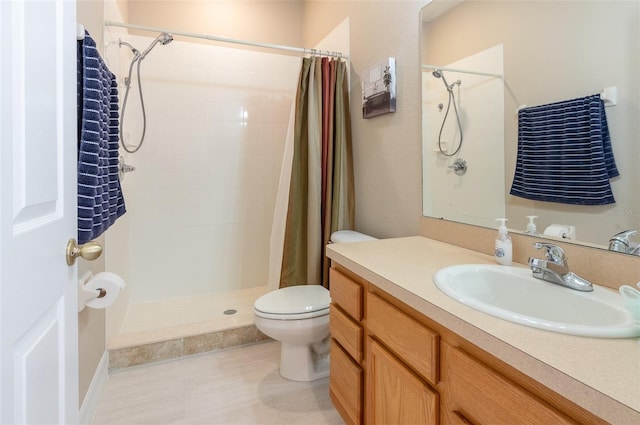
38, 293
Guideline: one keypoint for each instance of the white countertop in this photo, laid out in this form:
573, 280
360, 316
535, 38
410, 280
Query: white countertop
602, 375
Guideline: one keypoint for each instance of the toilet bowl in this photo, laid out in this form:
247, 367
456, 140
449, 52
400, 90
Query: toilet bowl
298, 317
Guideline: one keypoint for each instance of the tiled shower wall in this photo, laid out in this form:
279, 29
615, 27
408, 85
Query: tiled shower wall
200, 202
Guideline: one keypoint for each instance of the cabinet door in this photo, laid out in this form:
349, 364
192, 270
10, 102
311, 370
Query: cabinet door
476, 394
395, 394
345, 385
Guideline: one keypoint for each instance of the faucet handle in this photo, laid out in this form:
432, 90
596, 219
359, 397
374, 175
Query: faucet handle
552, 251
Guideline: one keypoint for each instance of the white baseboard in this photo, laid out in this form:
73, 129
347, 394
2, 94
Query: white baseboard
90, 402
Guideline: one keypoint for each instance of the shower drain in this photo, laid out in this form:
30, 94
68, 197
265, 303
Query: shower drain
230, 311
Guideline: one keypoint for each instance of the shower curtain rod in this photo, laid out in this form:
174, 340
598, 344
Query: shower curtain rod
444, 68
228, 40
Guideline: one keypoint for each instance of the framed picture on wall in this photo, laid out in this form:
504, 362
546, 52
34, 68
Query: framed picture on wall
379, 89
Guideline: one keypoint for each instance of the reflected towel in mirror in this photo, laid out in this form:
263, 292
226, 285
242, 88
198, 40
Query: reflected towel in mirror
564, 153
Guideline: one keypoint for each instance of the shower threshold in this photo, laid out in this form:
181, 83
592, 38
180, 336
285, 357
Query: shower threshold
167, 329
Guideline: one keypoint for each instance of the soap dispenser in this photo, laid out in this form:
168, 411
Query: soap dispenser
531, 226
503, 248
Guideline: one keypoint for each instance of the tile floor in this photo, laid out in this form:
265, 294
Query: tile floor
234, 386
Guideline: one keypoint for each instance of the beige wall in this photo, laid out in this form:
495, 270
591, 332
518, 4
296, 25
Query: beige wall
91, 339
90, 13
387, 148
277, 22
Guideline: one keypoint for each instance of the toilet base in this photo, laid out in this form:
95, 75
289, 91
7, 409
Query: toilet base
304, 362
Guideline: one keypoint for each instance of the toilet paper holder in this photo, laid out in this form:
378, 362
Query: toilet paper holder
85, 295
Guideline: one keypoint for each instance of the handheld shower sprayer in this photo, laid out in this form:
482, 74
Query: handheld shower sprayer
164, 39
437, 73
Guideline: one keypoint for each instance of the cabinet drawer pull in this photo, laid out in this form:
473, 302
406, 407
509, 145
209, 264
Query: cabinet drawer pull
462, 417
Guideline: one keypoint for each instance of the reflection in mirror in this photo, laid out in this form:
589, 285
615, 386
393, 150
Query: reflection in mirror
484, 60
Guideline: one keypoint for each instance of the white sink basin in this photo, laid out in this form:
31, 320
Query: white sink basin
513, 294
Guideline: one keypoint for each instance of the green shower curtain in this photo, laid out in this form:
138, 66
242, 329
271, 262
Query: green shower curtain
321, 191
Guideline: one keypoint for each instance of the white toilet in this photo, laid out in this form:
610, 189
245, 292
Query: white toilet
298, 317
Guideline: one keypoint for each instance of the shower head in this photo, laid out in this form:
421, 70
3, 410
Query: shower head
437, 73
164, 39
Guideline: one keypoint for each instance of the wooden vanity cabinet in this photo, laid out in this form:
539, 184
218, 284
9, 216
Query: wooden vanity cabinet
392, 365
346, 370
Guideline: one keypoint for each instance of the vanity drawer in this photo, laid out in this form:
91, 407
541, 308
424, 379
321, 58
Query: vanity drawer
347, 332
477, 394
347, 293
346, 385
409, 339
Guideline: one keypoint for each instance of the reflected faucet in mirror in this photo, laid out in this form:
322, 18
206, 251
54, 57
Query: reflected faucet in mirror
620, 243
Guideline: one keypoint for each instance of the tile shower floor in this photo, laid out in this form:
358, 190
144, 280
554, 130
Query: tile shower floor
163, 320
233, 386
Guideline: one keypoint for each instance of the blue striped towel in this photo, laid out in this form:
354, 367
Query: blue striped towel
564, 153
100, 200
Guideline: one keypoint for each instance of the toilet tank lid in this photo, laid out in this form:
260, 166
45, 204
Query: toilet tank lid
294, 300
349, 236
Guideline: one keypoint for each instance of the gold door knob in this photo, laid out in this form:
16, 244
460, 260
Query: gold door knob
89, 251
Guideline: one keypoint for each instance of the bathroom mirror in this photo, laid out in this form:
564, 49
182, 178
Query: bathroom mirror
498, 56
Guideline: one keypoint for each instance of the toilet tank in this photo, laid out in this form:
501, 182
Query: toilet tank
342, 236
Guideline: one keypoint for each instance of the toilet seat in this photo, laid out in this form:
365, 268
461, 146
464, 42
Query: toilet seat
294, 303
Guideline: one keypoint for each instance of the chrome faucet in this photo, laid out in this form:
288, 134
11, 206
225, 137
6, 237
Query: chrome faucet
555, 269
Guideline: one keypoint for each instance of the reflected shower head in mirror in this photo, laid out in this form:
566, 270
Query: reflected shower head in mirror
439, 74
